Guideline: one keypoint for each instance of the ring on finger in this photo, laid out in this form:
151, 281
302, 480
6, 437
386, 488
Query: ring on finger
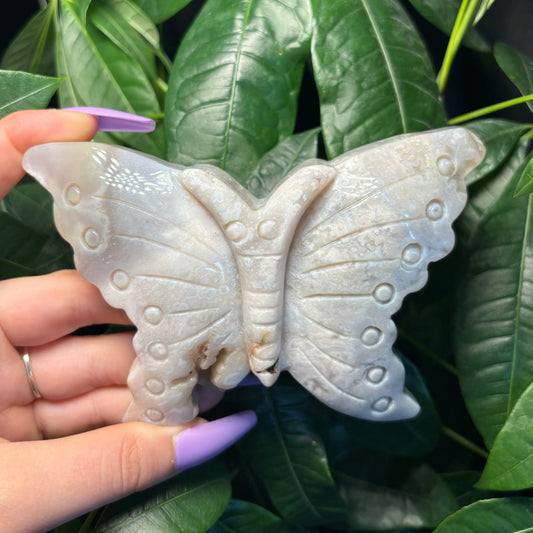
29, 374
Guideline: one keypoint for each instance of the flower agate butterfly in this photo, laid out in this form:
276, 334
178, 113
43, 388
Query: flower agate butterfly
219, 282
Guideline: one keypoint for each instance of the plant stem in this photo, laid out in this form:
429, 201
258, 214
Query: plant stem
490, 109
427, 351
462, 22
463, 441
88, 521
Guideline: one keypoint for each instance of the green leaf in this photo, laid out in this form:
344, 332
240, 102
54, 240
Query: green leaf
525, 183
421, 500
279, 161
161, 10
246, 517
234, 84
286, 453
19, 242
32, 48
9, 269
483, 194
29, 208
517, 66
189, 503
373, 73
109, 17
483, 8
500, 138
494, 318
80, 7
21, 90
31, 204
442, 14
510, 463
501, 515
102, 75
462, 484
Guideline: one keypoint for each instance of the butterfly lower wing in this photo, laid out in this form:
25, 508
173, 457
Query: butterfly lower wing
359, 250
150, 249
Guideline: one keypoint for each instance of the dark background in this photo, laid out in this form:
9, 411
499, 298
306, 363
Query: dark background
475, 80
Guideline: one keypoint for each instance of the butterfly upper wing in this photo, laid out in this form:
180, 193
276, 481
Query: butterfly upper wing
359, 250
155, 252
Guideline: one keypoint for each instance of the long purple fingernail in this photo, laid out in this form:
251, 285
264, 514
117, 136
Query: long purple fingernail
113, 120
201, 443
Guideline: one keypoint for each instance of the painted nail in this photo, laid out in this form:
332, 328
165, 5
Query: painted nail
112, 120
201, 443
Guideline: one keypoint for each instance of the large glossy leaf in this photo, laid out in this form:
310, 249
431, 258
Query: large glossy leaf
234, 83
494, 319
32, 48
510, 463
483, 8
19, 241
279, 161
442, 14
421, 500
517, 66
36, 248
246, 517
373, 73
525, 183
500, 515
500, 138
111, 18
21, 90
287, 455
483, 194
31, 204
463, 486
101, 74
161, 10
189, 503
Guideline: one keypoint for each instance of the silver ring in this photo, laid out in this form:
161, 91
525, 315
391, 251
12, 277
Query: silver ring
29, 373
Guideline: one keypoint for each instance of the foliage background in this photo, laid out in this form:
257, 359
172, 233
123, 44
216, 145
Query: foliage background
466, 463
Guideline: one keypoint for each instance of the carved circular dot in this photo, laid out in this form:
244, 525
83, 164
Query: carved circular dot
91, 238
371, 336
158, 350
295, 195
153, 314
384, 293
435, 210
268, 169
445, 166
235, 230
412, 253
255, 185
155, 415
155, 386
376, 374
268, 229
73, 194
382, 404
120, 279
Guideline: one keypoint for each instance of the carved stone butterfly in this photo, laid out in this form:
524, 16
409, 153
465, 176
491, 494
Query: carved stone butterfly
219, 282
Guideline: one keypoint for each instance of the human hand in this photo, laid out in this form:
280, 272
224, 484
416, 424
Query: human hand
53, 464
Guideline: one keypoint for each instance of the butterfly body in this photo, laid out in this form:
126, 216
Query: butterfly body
219, 282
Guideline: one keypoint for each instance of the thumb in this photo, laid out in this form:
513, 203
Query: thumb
67, 477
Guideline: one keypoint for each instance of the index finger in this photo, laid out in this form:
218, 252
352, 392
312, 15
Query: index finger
24, 129
40, 309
